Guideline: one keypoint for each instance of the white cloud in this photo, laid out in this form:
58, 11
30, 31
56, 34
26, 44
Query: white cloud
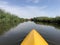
34, 1
26, 11
3, 2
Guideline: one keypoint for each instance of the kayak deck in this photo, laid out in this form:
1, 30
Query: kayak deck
34, 38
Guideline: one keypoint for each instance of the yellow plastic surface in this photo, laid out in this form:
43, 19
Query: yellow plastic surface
34, 38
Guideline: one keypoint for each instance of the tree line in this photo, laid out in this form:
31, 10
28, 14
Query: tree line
47, 19
8, 20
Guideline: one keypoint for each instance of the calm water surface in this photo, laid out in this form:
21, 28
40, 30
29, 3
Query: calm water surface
15, 35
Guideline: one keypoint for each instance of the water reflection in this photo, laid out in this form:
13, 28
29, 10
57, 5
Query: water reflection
5, 27
49, 24
15, 35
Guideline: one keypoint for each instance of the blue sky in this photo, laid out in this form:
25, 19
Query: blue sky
31, 8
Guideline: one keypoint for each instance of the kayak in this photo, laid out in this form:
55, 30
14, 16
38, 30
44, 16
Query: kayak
34, 38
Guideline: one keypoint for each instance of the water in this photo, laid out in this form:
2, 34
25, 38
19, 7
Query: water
15, 35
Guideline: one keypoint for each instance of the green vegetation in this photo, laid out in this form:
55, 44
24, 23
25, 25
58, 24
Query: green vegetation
55, 20
47, 21
8, 20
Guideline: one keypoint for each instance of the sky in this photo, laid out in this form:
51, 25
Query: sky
31, 8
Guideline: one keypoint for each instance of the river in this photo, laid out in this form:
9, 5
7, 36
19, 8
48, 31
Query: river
15, 35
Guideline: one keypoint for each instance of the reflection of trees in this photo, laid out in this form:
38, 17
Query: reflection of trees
5, 27
51, 24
